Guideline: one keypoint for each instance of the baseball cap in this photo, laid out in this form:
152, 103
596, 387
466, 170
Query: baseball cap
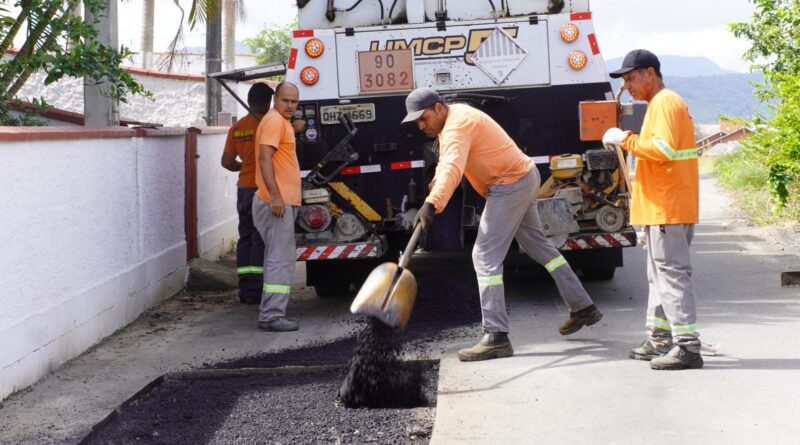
418, 100
638, 58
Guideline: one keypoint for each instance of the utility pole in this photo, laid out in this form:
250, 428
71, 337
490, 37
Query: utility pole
99, 109
213, 62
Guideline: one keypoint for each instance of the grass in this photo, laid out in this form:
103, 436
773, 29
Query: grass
748, 179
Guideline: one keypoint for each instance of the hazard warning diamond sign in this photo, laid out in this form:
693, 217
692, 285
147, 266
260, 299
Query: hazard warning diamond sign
499, 55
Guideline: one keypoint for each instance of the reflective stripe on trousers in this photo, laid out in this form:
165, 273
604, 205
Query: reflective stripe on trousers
510, 213
279, 258
671, 306
249, 248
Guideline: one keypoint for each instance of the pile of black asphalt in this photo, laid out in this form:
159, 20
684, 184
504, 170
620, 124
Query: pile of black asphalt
358, 389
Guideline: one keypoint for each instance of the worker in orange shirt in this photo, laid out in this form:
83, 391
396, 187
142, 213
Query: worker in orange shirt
471, 144
666, 202
241, 143
276, 204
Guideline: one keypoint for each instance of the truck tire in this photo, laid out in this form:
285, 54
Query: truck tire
603, 273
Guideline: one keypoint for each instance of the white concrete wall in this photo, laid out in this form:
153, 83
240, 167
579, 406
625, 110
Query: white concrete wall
91, 235
216, 198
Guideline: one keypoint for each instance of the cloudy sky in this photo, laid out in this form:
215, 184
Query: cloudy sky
679, 27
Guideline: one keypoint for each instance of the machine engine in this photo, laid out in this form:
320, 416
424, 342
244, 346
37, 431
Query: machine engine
591, 184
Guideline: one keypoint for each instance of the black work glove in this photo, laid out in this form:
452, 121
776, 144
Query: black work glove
425, 216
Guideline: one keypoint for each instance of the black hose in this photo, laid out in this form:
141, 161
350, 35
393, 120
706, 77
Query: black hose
493, 8
391, 10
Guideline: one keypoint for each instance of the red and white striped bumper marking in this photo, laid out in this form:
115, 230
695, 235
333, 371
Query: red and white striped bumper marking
606, 240
360, 169
336, 251
405, 165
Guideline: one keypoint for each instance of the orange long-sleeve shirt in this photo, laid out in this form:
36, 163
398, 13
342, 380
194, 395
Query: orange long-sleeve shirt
472, 144
667, 187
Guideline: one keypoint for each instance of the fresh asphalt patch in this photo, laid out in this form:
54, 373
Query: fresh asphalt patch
359, 389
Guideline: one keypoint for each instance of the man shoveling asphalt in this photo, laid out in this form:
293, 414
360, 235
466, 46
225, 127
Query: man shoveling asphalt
471, 144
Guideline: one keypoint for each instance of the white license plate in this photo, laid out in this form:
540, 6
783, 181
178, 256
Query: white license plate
329, 115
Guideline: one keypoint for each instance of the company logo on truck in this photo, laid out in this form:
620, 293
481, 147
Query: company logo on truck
443, 45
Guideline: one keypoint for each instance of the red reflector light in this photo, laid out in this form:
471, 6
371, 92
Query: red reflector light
309, 75
315, 48
577, 59
569, 32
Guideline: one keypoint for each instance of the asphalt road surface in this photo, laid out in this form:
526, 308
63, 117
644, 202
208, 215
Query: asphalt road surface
579, 389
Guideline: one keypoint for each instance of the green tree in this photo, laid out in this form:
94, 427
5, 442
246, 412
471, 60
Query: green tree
272, 44
51, 25
775, 50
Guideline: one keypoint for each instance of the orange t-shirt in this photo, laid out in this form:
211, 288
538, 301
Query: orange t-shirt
667, 186
472, 144
275, 130
241, 140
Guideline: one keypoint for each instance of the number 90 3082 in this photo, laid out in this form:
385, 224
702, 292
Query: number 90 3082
386, 70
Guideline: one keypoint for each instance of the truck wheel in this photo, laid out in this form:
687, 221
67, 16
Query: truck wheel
605, 273
331, 290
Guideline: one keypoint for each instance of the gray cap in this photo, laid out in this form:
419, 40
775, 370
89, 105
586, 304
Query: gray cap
418, 101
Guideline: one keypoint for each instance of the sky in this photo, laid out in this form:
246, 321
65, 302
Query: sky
674, 27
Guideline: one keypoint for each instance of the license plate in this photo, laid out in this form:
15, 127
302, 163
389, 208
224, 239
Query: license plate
329, 115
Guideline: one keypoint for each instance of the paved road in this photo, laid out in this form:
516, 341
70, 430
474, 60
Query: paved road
577, 389
582, 389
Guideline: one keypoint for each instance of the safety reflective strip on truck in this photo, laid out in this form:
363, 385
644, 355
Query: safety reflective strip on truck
606, 240
334, 251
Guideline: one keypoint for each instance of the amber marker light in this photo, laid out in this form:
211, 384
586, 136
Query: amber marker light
309, 75
315, 48
577, 60
569, 32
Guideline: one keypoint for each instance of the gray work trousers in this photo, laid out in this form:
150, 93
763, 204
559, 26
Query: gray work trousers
671, 307
279, 257
511, 212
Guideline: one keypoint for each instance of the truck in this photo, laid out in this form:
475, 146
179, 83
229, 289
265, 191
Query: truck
534, 66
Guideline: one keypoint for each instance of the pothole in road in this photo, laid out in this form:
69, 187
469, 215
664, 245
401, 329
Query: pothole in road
301, 396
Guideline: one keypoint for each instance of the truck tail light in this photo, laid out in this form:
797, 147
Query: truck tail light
577, 60
569, 33
315, 48
314, 218
309, 75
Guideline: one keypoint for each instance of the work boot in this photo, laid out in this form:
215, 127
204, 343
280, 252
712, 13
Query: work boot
679, 357
649, 350
492, 345
584, 317
280, 324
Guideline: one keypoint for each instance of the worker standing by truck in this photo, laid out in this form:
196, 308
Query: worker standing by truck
274, 212
666, 202
471, 144
241, 143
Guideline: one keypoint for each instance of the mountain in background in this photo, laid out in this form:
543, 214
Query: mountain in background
683, 66
708, 89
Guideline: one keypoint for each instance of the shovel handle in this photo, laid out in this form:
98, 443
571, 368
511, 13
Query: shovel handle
412, 245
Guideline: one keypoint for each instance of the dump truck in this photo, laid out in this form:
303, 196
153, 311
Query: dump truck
534, 66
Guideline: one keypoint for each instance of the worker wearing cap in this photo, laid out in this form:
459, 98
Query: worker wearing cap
471, 144
666, 202
241, 143
275, 209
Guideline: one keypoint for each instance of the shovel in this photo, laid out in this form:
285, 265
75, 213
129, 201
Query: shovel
390, 290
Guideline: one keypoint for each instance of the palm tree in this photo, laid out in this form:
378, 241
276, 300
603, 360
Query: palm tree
148, 19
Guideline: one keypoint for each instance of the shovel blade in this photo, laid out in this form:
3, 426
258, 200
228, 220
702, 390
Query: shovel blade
388, 294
